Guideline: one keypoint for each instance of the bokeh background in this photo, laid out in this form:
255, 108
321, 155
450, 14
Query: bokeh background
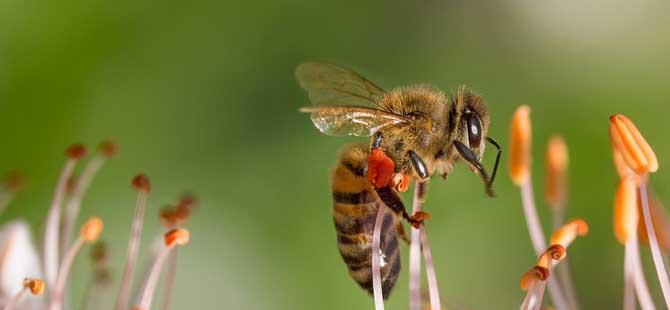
201, 96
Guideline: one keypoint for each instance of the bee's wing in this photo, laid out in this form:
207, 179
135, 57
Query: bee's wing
329, 84
357, 121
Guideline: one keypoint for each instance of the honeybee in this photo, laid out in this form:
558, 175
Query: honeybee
416, 131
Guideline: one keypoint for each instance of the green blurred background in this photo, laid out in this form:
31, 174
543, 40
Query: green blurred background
201, 96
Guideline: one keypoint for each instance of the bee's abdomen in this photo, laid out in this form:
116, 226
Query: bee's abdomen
354, 213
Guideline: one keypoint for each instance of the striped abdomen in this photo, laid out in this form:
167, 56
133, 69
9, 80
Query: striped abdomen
354, 211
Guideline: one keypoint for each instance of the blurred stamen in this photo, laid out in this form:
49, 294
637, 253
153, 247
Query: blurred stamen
34, 286
420, 190
143, 187
51, 230
520, 158
106, 150
13, 183
90, 233
434, 292
520, 134
653, 244
556, 164
172, 238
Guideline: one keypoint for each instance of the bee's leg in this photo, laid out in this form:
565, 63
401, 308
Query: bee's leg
418, 164
471, 158
401, 232
393, 201
380, 167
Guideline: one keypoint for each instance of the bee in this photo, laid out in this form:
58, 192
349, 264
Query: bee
416, 132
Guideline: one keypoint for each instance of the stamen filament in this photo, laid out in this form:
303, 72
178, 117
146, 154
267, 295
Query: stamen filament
141, 183
641, 288
653, 244
90, 233
434, 292
376, 264
629, 279
57, 293
74, 204
51, 230
172, 238
169, 282
415, 249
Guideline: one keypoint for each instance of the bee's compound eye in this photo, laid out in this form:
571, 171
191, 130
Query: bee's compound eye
474, 130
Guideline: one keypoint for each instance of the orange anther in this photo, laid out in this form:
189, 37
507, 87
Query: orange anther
92, 229
556, 164
520, 133
634, 149
36, 286
177, 236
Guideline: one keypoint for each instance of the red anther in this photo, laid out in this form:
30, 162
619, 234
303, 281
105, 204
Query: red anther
76, 151
188, 201
380, 168
108, 148
400, 182
141, 183
15, 181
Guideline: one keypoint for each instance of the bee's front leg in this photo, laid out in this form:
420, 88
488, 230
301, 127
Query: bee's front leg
418, 165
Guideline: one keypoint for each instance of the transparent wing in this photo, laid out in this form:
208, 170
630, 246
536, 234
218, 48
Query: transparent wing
357, 121
329, 84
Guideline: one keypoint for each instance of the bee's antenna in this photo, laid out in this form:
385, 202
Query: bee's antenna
495, 166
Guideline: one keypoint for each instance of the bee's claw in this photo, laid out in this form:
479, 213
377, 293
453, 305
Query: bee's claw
417, 219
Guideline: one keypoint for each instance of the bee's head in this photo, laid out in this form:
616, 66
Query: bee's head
472, 121
469, 121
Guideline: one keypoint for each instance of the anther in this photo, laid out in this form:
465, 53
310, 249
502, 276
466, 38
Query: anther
520, 145
635, 150
91, 230
141, 183
76, 151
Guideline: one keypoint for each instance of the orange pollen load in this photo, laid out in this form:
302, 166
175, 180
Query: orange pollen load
625, 210
177, 236
36, 286
520, 133
108, 148
380, 168
92, 229
76, 151
141, 183
634, 149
